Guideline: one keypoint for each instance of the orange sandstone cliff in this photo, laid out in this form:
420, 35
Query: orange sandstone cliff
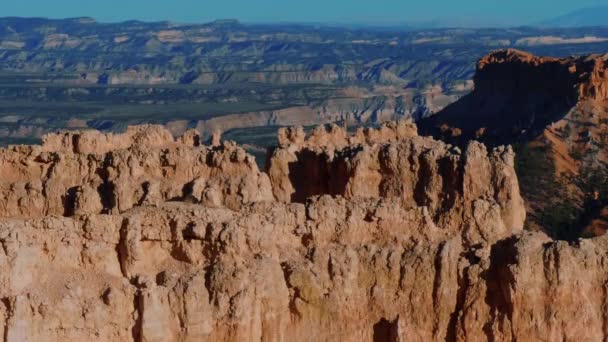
518, 95
555, 113
378, 236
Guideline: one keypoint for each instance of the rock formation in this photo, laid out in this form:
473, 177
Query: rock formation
518, 95
556, 112
378, 235
90, 173
454, 186
139, 236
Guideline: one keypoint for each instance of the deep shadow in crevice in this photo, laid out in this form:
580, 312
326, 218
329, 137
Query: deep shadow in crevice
386, 331
69, 201
106, 189
314, 174
7, 309
138, 309
498, 279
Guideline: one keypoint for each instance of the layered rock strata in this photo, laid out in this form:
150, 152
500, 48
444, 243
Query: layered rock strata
423, 243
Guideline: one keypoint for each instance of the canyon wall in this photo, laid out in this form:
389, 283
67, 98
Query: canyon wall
381, 235
554, 111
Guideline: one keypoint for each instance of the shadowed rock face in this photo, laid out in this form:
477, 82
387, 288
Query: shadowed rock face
421, 242
517, 95
555, 112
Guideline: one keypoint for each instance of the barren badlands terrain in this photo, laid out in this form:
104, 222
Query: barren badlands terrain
79, 73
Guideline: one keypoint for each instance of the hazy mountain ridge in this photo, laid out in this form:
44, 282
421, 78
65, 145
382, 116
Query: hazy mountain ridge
163, 52
585, 17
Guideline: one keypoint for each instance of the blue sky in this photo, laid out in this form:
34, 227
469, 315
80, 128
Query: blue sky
483, 12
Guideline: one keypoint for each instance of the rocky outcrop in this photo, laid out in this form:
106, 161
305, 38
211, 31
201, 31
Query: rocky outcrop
554, 110
456, 187
291, 272
513, 73
88, 172
517, 95
424, 242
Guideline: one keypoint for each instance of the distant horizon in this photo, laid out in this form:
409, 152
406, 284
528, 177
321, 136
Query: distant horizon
379, 13
427, 24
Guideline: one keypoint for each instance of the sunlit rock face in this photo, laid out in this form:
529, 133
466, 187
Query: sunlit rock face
381, 235
91, 173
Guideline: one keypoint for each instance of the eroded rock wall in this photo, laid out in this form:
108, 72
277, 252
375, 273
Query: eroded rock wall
458, 188
87, 172
517, 95
327, 270
423, 243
